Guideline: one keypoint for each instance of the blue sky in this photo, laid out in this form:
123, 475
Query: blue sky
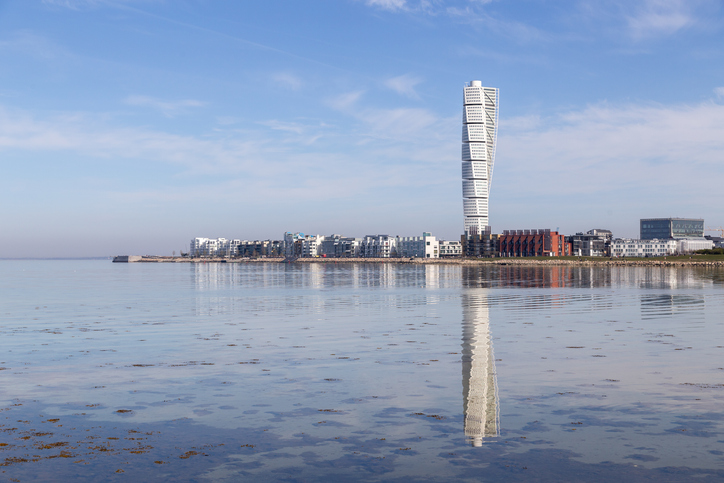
131, 126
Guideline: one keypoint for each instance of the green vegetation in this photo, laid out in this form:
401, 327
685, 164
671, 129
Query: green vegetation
711, 251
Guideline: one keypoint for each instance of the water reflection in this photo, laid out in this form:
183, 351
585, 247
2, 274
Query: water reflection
480, 385
668, 305
542, 276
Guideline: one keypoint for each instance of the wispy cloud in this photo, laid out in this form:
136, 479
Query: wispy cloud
656, 17
602, 149
404, 85
168, 108
288, 80
344, 101
719, 92
391, 5
80, 4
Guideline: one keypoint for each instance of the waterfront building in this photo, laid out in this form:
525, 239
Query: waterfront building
479, 141
450, 249
260, 248
663, 228
204, 247
293, 244
338, 246
378, 246
222, 247
533, 243
481, 245
626, 247
425, 246
716, 240
593, 243
301, 245
690, 245
312, 246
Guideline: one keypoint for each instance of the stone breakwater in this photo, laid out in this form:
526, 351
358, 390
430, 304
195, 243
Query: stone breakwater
647, 262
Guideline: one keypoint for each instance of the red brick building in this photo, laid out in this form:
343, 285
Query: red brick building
533, 243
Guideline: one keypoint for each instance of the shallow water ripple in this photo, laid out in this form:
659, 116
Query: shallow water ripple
221, 372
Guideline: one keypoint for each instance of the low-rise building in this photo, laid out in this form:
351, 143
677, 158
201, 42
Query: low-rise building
222, 247
533, 243
626, 247
378, 246
593, 243
338, 246
204, 247
480, 245
716, 240
425, 246
690, 245
450, 249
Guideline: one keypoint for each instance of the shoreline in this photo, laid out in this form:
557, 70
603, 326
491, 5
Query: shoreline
443, 261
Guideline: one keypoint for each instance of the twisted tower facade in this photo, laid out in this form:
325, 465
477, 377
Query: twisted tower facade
480, 138
480, 382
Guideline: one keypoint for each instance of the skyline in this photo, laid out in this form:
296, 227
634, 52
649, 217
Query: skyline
133, 126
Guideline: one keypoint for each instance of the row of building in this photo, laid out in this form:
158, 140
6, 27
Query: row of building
658, 237
511, 243
299, 245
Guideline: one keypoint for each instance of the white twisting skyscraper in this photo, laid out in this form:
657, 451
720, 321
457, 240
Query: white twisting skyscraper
480, 133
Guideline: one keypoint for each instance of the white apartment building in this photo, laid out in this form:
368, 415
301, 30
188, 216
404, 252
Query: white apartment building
425, 246
479, 141
312, 246
301, 245
450, 249
624, 247
378, 246
222, 247
690, 245
204, 247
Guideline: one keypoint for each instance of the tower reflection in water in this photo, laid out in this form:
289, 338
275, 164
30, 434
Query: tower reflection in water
480, 384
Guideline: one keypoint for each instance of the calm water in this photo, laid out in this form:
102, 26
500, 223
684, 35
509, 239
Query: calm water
268, 372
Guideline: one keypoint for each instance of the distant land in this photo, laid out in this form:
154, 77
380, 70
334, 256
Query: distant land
57, 258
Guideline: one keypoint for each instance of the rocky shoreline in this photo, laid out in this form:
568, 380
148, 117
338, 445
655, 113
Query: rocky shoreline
647, 262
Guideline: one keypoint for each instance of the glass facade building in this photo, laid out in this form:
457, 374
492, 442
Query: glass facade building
666, 228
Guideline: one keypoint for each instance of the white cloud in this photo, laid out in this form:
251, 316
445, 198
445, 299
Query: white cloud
345, 101
648, 150
168, 108
404, 85
654, 17
79, 4
719, 92
288, 80
387, 4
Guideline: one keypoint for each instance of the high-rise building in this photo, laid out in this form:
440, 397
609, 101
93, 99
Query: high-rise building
480, 133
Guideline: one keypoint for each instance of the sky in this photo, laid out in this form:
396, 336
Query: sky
132, 126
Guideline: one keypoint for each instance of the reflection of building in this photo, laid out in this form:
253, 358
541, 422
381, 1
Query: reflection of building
480, 385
